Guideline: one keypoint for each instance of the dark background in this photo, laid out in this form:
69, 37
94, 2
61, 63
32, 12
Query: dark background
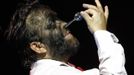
120, 22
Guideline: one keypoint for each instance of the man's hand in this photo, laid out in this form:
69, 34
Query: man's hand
95, 16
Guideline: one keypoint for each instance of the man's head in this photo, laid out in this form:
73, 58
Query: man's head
38, 34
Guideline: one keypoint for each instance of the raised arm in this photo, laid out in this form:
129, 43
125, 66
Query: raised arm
110, 52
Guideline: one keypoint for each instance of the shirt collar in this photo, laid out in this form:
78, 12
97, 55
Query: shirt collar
46, 62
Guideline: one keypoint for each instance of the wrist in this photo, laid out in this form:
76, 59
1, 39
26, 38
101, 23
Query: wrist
97, 30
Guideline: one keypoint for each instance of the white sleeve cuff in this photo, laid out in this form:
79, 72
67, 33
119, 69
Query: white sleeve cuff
102, 37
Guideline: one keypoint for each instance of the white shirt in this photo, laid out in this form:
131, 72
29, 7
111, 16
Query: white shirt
111, 57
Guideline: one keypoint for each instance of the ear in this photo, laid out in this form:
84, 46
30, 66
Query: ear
38, 47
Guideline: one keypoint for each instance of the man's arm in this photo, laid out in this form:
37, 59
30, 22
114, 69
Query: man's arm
111, 54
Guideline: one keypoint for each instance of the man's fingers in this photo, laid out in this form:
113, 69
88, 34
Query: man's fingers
99, 5
86, 16
89, 6
91, 11
106, 12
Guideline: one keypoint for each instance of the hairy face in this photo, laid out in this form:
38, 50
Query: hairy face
39, 23
66, 33
65, 43
51, 31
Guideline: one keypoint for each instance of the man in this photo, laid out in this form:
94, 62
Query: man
45, 45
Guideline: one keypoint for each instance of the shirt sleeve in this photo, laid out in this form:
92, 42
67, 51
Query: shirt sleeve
111, 54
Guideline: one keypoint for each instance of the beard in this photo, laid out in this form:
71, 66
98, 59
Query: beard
61, 46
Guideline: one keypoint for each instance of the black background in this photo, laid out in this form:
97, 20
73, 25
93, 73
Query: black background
120, 22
